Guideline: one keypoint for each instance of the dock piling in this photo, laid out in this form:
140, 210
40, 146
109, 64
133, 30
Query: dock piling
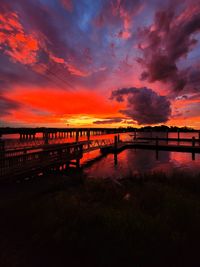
199, 137
156, 142
167, 135
135, 134
178, 135
115, 142
118, 138
193, 141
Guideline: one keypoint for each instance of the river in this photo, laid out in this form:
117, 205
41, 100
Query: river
134, 161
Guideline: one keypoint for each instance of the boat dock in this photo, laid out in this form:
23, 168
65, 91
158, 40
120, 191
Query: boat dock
38, 158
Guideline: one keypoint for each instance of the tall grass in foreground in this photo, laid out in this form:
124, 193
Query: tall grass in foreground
146, 220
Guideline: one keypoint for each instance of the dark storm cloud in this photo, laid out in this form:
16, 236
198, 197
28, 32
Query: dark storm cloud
170, 38
143, 105
7, 105
108, 121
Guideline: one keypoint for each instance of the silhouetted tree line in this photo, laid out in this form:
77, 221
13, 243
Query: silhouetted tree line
160, 128
164, 128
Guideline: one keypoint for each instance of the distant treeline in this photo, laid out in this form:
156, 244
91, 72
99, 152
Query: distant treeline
160, 128
164, 128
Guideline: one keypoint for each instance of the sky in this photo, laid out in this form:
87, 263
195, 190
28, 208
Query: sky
99, 63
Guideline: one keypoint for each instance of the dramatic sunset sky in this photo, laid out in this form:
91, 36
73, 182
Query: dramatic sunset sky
99, 63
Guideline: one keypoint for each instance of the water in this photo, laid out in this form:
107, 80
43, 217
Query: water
137, 161
131, 161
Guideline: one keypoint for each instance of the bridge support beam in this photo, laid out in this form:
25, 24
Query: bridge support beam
46, 138
77, 136
88, 138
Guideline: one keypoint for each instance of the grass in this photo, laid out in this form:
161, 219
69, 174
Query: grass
146, 220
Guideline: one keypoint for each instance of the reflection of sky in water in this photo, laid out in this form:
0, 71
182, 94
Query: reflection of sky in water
133, 161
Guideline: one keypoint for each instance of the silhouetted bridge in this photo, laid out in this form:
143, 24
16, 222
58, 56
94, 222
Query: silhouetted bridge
28, 137
48, 134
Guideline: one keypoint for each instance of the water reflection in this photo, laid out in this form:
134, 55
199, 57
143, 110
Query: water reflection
132, 161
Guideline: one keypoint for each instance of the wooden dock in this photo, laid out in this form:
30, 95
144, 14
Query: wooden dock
37, 159
168, 139
34, 160
126, 145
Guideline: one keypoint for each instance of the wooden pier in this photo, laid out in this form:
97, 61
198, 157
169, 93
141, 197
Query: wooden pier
38, 159
149, 146
41, 157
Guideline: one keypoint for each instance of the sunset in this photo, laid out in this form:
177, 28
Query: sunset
99, 133
62, 60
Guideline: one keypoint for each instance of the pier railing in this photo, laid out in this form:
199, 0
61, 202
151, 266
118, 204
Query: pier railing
42, 156
19, 161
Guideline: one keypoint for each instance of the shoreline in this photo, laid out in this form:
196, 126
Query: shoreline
147, 220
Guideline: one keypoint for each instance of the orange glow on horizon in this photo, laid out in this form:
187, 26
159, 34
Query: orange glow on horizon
81, 107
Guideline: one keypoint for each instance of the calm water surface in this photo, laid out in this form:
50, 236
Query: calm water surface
131, 162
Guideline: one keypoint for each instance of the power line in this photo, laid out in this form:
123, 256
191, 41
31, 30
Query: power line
55, 79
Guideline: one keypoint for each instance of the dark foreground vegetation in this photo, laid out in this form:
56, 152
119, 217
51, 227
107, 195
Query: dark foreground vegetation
150, 220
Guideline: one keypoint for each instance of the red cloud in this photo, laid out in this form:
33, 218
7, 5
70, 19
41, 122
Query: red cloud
15, 43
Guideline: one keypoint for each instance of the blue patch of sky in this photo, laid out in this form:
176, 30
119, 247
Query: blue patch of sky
145, 17
87, 10
193, 56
